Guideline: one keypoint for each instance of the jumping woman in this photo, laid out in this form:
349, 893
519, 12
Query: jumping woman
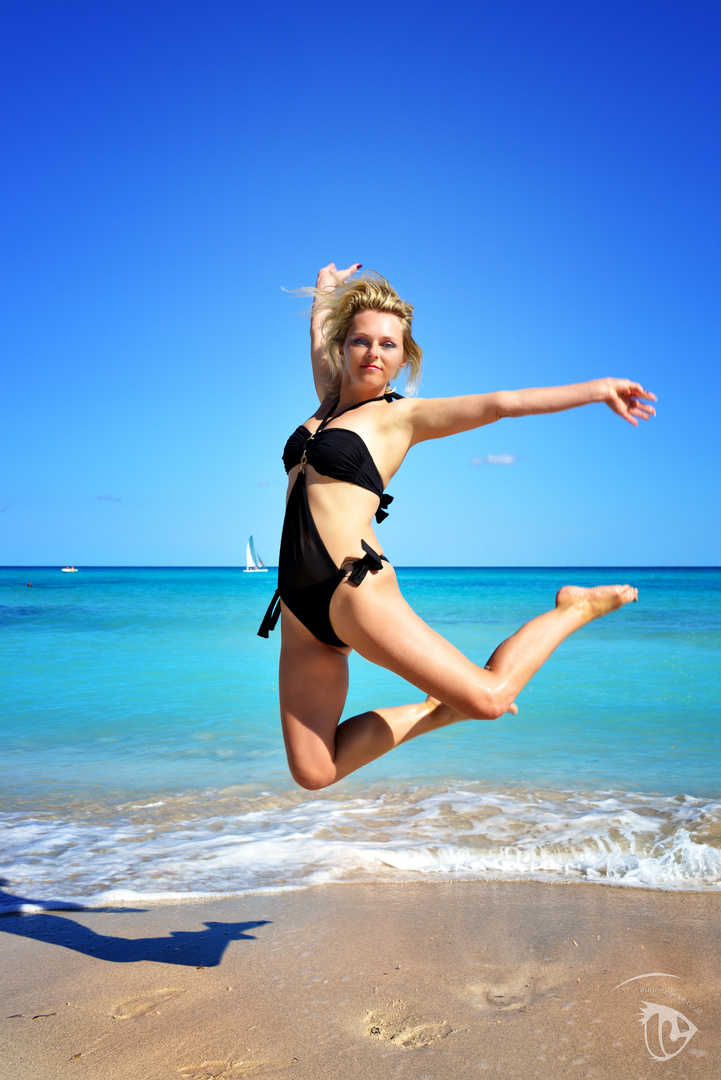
336, 589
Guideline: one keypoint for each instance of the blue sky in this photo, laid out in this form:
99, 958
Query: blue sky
541, 179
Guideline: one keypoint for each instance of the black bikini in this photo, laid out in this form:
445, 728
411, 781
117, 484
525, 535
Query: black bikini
307, 575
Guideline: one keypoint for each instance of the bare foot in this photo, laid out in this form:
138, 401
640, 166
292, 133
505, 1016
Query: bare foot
593, 603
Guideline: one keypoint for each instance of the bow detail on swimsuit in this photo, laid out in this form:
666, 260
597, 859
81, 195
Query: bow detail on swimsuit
382, 511
370, 561
271, 616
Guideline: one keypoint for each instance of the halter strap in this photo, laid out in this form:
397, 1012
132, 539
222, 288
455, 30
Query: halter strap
389, 396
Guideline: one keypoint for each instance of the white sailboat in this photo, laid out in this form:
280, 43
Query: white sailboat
253, 561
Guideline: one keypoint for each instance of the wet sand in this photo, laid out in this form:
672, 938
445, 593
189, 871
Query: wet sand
358, 982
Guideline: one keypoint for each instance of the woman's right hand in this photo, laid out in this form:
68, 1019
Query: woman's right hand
329, 276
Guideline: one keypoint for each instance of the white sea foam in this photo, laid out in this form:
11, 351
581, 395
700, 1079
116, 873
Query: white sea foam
233, 841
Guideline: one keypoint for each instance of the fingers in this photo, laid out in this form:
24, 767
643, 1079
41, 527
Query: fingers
628, 388
332, 271
630, 401
643, 412
636, 390
345, 274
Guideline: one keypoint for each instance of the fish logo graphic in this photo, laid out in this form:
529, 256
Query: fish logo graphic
680, 1027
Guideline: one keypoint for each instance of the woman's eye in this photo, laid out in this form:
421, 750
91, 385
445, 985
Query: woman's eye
389, 344
360, 341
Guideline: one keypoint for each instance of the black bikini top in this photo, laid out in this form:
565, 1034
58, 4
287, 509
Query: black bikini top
341, 454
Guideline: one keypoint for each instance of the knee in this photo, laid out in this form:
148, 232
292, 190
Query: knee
311, 776
490, 703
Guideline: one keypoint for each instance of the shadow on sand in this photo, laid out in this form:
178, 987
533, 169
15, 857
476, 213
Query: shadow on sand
191, 948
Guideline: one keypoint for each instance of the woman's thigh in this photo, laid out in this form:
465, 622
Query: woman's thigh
313, 684
375, 620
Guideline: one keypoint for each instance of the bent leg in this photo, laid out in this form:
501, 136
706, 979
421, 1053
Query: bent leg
313, 682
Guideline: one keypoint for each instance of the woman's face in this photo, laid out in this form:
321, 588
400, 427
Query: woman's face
373, 350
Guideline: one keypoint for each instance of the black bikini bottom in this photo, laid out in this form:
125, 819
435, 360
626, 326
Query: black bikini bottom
311, 603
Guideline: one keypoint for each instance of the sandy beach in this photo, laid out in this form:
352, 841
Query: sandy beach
447, 980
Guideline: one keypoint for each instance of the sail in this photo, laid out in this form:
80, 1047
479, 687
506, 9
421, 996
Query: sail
253, 560
250, 563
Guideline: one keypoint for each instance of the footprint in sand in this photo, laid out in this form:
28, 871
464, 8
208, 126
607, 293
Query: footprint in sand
231, 1070
512, 988
403, 1030
132, 1008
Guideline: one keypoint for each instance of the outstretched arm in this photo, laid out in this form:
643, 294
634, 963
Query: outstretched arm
434, 418
328, 279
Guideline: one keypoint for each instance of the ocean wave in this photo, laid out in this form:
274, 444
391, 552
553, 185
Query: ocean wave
235, 841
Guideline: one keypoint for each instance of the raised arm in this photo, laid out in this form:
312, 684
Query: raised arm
328, 279
437, 417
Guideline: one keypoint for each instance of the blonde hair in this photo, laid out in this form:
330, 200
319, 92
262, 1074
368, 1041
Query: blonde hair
369, 292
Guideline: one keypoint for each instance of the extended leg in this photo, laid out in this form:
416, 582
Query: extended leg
376, 621
518, 658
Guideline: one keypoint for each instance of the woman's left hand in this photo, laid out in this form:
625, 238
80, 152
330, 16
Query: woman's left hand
628, 399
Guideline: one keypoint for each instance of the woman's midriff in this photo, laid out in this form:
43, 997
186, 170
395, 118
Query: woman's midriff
343, 514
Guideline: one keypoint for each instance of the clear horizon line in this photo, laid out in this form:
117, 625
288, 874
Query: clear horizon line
398, 566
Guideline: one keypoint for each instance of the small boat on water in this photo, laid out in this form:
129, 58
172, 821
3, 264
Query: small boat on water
253, 561
69, 570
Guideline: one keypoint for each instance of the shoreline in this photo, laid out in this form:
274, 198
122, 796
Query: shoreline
441, 979
121, 899
224, 842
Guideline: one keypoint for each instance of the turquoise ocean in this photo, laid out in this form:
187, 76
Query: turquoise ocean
142, 756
